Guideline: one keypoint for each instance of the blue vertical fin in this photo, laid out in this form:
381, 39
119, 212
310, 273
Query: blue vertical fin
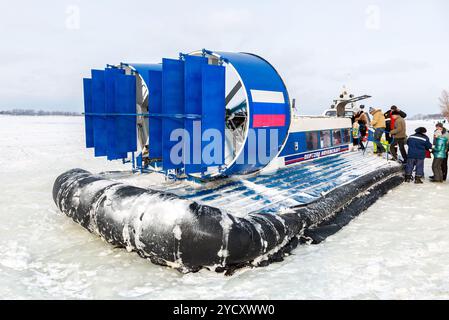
193, 105
172, 104
155, 106
88, 119
110, 77
99, 107
126, 126
213, 111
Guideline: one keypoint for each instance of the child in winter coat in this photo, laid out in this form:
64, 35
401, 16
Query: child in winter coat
417, 143
355, 136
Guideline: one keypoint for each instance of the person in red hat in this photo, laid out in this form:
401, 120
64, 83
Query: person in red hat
389, 122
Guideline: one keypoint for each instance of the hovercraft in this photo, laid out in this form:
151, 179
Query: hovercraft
224, 174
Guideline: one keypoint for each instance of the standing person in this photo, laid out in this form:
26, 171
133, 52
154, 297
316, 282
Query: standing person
441, 144
399, 136
444, 162
378, 123
390, 122
439, 127
444, 165
362, 120
355, 135
417, 143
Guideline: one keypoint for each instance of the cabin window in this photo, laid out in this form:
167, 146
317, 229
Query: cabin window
325, 136
312, 140
346, 135
336, 137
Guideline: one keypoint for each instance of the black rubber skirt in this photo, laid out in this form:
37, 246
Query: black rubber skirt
185, 235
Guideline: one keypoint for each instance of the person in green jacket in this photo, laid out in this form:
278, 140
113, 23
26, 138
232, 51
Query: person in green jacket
439, 151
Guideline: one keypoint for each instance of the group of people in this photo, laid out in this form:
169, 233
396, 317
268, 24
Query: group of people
392, 124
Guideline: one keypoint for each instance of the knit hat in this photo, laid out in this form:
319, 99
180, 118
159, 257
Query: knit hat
394, 108
421, 130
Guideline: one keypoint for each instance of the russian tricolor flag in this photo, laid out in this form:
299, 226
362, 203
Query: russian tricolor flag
270, 119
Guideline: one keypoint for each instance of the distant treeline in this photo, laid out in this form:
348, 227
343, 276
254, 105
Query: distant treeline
32, 112
434, 116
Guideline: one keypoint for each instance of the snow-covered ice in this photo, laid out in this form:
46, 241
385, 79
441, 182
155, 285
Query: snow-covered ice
398, 248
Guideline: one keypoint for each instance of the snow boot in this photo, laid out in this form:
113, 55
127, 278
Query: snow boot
418, 180
408, 178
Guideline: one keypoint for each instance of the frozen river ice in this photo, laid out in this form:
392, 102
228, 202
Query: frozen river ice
398, 248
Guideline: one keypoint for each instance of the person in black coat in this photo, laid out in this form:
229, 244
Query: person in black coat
362, 119
417, 143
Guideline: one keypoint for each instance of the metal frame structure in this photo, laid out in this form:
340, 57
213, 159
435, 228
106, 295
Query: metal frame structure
171, 96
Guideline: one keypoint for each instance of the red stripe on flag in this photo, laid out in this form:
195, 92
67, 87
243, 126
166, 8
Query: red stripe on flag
294, 161
268, 120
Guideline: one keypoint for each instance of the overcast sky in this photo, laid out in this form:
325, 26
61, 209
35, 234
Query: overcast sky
396, 51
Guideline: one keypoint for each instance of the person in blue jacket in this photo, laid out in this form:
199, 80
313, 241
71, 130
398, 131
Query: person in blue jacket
417, 143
